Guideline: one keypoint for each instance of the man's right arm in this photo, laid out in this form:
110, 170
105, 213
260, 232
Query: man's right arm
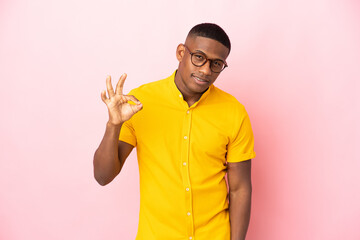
112, 153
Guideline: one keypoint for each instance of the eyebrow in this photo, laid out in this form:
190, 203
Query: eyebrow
199, 51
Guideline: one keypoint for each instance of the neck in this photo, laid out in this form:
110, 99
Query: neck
189, 97
191, 101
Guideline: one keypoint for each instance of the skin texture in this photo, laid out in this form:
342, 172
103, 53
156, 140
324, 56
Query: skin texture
184, 78
112, 153
240, 189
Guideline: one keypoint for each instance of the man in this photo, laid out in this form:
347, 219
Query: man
188, 135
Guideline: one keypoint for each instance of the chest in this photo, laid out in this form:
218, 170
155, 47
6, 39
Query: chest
203, 130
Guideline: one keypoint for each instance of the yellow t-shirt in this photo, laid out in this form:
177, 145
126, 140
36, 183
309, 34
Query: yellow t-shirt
182, 153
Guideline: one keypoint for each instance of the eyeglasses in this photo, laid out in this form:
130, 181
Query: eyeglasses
199, 59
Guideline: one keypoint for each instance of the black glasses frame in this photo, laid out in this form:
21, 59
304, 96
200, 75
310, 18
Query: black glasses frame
206, 60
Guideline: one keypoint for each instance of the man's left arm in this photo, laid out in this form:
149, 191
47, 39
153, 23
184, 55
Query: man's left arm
240, 188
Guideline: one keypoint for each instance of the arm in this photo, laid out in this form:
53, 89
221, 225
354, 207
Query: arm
112, 153
239, 180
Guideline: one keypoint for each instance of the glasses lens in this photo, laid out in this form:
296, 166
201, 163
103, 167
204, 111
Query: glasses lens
198, 59
217, 66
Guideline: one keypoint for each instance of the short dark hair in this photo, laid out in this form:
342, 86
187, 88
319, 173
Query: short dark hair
213, 31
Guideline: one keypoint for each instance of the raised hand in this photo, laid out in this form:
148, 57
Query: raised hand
117, 103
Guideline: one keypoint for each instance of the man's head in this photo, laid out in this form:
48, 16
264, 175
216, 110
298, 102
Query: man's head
201, 58
210, 30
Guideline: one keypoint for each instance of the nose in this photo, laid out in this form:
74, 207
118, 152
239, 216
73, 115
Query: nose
205, 69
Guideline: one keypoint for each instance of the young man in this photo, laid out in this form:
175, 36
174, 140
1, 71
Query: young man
188, 134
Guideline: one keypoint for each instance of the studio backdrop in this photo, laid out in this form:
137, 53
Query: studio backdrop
294, 65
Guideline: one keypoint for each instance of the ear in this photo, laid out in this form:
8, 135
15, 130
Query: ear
180, 51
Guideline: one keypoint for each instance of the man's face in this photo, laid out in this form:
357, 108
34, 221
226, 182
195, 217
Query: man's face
195, 80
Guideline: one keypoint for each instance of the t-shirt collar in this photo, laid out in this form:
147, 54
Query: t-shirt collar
176, 92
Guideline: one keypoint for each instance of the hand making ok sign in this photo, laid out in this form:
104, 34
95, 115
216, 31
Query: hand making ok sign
117, 103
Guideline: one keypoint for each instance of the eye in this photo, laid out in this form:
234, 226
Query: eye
218, 63
199, 57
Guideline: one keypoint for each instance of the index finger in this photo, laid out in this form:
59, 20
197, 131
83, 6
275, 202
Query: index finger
109, 87
120, 84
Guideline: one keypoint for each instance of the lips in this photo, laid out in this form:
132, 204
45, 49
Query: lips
200, 80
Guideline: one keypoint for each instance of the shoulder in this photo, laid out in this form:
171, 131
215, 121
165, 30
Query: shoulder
150, 88
226, 99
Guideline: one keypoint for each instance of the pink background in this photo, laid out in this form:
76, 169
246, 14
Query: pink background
294, 65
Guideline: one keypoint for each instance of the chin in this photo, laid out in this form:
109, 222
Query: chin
199, 89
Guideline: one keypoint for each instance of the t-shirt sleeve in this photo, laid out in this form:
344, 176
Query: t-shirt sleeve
241, 145
127, 133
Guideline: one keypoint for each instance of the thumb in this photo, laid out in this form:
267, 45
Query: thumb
136, 107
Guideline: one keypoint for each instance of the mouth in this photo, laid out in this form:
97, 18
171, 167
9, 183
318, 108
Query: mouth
199, 80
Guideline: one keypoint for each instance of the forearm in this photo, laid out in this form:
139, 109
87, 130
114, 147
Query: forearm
240, 205
106, 157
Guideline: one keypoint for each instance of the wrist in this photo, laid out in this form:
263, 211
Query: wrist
110, 124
